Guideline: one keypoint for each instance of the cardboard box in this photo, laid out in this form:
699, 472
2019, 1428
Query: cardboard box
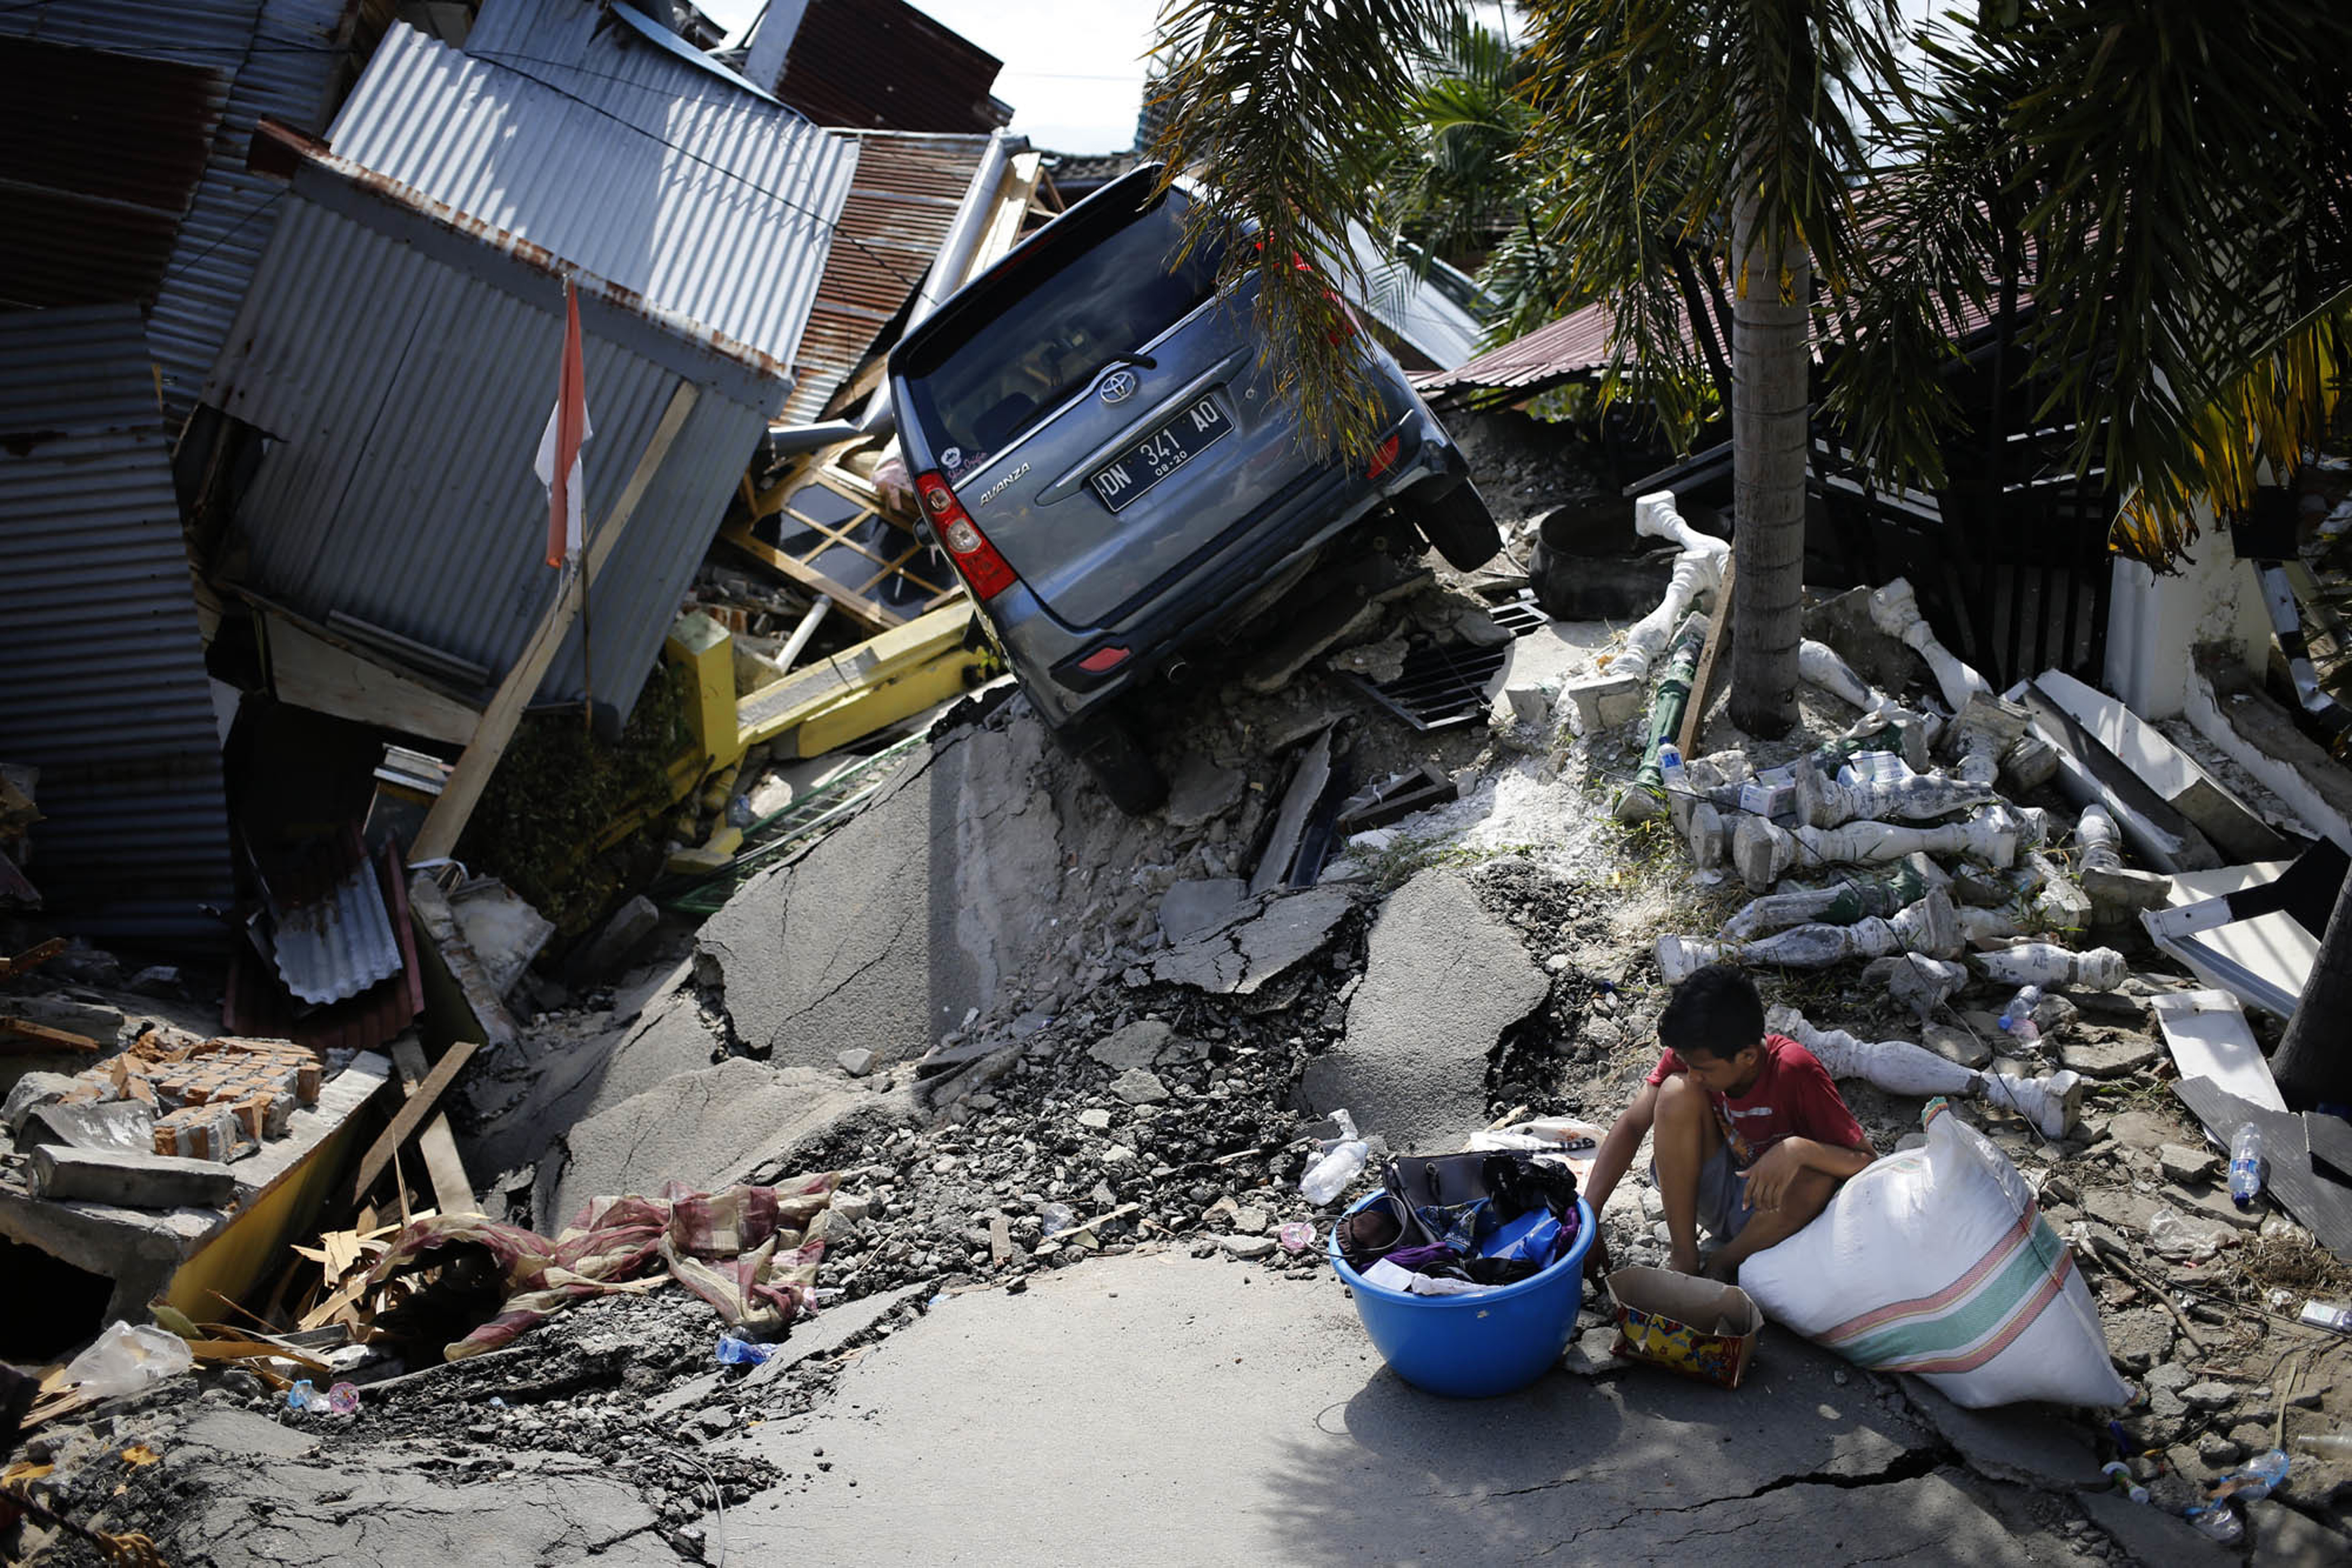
1686, 1324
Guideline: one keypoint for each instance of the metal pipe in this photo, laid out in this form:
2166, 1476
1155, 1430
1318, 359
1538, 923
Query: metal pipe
802, 633
972, 219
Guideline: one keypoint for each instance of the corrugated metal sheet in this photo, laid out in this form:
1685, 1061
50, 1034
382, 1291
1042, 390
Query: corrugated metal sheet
105, 150
330, 936
105, 686
884, 64
1576, 344
901, 203
399, 487
616, 155
286, 58
404, 357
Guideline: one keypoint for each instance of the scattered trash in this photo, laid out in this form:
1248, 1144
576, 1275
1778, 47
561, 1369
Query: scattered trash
2245, 1165
2120, 1473
2177, 1238
1056, 1217
1342, 1159
343, 1399
1700, 1327
2333, 1444
734, 1351
139, 1455
126, 1360
2017, 1018
1295, 1235
2321, 1315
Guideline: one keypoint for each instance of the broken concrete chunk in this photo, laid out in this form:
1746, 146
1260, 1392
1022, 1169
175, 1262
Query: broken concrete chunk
1248, 1247
1137, 1045
94, 1019
1140, 1086
133, 1179
857, 1062
1194, 908
1094, 1120
2183, 1165
32, 1089
1443, 980
626, 929
1199, 790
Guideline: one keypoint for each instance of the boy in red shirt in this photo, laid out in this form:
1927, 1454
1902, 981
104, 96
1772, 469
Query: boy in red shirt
1751, 1137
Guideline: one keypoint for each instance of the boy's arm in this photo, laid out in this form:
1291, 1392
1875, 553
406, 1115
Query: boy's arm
1616, 1152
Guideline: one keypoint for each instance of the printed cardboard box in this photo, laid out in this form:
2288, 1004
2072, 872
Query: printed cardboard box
1686, 1324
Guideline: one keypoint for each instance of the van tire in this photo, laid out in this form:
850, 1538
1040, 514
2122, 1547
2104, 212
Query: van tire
1121, 767
1457, 523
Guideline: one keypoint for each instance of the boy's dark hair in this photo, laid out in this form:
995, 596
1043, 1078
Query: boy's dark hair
1717, 1011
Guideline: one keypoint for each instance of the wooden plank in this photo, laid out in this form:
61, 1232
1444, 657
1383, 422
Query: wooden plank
438, 838
327, 677
31, 958
2209, 1037
411, 1117
866, 611
1702, 692
42, 1036
452, 1189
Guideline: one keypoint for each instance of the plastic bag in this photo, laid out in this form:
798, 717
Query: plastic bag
2177, 1235
1937, 1261
125, 1360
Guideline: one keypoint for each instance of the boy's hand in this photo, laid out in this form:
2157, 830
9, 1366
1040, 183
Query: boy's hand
1596, 1261
1767, 1180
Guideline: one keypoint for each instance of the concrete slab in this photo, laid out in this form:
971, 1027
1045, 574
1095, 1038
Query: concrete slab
1443, 980
263, 1506
1239, 960
916, 910
1197, 906
707, 1129
1130, 1409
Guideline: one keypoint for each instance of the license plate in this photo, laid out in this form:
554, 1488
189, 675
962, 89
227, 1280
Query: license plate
1161, 454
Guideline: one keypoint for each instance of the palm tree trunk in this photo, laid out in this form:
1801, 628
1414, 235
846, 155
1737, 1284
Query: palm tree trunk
2313, 1064
1770, 421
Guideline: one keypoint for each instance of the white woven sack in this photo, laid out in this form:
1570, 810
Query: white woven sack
1937, 1261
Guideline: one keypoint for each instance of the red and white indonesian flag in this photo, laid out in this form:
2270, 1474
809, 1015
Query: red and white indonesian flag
559, 448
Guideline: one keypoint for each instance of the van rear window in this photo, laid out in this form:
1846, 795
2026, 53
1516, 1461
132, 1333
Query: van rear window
1046, 324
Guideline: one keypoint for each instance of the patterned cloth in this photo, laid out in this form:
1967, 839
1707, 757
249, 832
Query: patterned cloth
750, 1252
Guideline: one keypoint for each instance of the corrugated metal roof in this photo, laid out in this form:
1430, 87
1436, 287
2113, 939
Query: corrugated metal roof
613, 155
106, 690
330, 936
399, 486
884, 64
286, 57
404, 332
1576, 344
902, 201
105, 150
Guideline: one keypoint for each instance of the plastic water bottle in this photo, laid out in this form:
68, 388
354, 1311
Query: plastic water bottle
2246, 1166
2017, 1018
1329, 1176
1670, 767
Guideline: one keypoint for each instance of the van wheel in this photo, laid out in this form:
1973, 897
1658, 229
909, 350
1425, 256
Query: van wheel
1457, 525
1119, 763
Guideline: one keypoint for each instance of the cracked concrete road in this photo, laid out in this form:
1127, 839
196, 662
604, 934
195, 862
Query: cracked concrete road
1161, 1408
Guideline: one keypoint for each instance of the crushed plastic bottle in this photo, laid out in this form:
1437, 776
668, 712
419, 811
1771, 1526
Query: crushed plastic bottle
343, 1399
735, 1350
2246, 1166
2120, 1473
1294, 1235
1057, 1217
2328, 1444
302, 1397
2178, 1237
1329, 1176
2017, 1018
2216, 1521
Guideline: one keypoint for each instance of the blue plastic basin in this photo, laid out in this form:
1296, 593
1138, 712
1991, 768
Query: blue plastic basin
1475, 1347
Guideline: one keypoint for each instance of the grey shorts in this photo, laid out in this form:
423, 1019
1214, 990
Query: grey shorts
1723, 1205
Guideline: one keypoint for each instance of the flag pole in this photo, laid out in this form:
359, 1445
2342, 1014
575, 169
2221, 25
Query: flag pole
587, 661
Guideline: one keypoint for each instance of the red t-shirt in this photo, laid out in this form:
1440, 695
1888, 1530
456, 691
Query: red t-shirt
1793, 1097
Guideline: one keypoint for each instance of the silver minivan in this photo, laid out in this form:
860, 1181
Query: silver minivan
1098, 449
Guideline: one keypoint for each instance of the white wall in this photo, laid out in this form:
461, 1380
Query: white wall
2154, 623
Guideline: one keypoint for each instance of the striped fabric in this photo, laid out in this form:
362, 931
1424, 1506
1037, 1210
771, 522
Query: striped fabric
1972, 1319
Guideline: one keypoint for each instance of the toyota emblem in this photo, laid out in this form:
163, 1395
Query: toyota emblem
1118, 386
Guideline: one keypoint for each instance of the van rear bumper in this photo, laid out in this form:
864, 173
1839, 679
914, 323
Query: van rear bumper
1216, 595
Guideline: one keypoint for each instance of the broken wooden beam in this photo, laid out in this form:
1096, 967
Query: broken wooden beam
453, 1192
411, 1117
26, 1033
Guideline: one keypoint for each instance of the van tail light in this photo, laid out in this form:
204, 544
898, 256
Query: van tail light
1384, 459
973, 555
